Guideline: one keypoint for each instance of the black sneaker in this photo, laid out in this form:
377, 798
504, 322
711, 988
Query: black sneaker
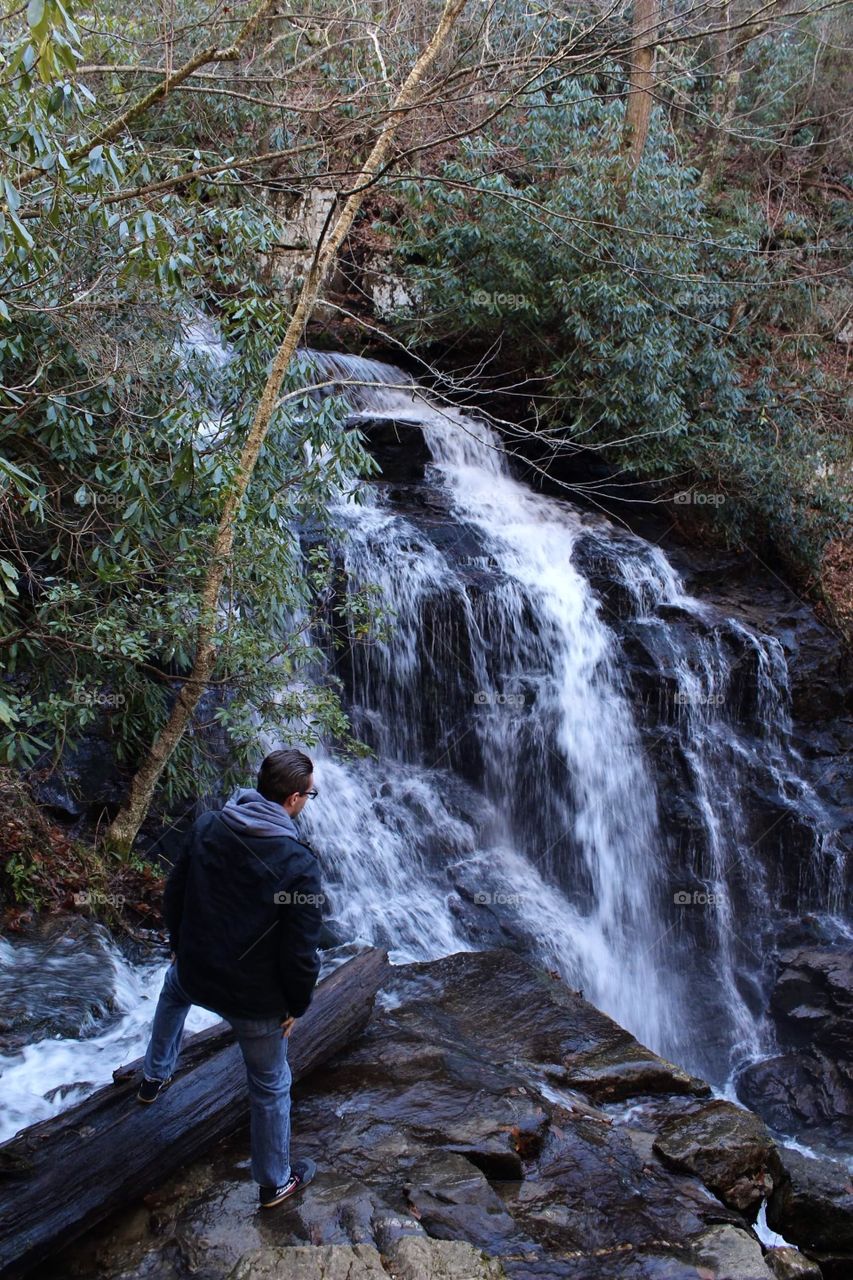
150, 1090
301, 1173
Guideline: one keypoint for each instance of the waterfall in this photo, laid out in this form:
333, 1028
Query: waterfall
516, 774
573, 757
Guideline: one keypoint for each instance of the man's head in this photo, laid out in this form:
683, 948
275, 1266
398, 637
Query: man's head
286, 777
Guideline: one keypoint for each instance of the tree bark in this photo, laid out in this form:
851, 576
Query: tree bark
638, 108
60, 1177
729, 44
126, 824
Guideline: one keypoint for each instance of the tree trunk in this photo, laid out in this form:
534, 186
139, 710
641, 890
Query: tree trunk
126, 824
638, 108
64, 1175
727, 62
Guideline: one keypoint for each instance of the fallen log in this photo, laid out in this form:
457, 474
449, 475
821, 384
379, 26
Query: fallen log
61, 1176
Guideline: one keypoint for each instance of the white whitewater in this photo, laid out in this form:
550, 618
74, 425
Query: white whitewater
513, 799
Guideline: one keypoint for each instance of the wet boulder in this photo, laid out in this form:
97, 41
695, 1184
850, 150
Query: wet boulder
802, 1091
812, 1206
625, 1068
728, 1147
725, 1250
808, 1087
453, 1200
410, 1259
537, 1021
789, 1264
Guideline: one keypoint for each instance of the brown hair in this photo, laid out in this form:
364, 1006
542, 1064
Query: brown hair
283, 772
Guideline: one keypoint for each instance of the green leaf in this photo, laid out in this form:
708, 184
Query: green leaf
13, 199
21, 234
35, 16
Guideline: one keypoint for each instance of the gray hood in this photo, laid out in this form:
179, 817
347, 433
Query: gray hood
250, 814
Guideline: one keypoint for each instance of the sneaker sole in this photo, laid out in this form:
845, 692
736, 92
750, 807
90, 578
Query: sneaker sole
285, 1195
146, 1102
291, 1191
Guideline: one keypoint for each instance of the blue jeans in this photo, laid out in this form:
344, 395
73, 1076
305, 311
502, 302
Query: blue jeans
265, 1055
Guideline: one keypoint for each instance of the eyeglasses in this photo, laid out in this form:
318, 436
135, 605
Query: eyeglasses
312, 794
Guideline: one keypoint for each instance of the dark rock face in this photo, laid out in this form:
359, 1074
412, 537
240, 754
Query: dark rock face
813, 1205
398, 447
819, 665
86, 785
451, 1146
809, 1087
813, 998
802, 1091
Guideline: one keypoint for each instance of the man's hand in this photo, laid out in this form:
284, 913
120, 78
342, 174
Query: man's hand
287, 1027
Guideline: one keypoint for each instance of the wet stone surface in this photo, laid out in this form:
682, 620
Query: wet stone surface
454, 1140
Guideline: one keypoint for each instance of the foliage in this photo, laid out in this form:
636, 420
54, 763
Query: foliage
681, 316
120, 431
643, 311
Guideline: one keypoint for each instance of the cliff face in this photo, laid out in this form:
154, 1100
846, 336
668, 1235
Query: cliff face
752, 774
490, 1122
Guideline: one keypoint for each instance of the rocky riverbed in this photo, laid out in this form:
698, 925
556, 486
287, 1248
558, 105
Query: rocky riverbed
490, 1122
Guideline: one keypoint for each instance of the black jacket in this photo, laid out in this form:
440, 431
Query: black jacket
243, 911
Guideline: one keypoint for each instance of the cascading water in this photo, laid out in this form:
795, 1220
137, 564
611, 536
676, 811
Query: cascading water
525, 791
70, 1060
515, 771
528, 672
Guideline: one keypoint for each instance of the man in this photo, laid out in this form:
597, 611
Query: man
242, 905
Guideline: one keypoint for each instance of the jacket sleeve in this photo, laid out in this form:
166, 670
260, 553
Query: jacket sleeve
176, 886
299, 934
